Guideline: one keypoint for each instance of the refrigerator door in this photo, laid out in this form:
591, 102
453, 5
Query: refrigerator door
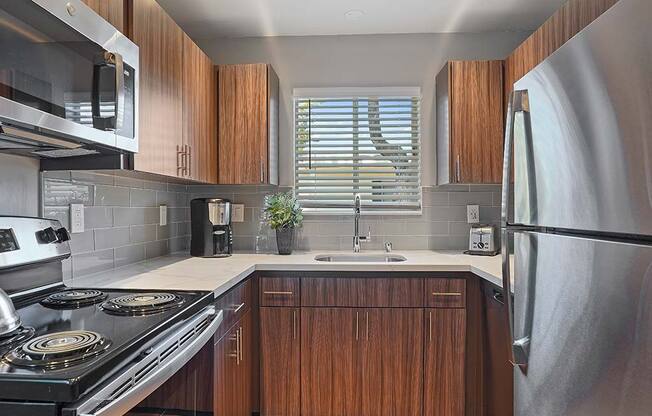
586, 306
586, 164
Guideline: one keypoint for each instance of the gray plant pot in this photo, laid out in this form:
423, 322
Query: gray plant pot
285, 240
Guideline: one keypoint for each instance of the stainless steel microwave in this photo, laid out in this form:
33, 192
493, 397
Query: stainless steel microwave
68, 81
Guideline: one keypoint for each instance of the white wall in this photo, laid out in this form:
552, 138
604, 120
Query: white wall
19, 185
361, 61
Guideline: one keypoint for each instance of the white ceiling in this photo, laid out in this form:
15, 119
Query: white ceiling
205, 19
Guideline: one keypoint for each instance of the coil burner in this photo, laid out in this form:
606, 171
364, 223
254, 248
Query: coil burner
139, 304
74, 298
59, 349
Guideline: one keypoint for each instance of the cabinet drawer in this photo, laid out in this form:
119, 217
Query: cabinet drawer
279, 291
445, 293
234, 305
362, 292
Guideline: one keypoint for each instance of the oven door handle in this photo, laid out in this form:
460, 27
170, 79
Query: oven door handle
160, 363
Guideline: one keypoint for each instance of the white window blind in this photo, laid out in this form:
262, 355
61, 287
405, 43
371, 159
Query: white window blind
367, 145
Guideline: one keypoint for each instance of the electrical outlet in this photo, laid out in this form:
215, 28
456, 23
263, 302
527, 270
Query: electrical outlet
163, 215
76, 218
473, 214
237, 212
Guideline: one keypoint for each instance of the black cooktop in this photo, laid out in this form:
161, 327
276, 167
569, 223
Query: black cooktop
106, 330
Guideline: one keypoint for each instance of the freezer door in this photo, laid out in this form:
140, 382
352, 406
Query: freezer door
586, 306
587, 162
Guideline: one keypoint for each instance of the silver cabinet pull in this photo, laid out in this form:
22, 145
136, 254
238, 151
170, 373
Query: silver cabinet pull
237, 308
458, 173
278, 293
262, 172
236, 337
430, 326
186, 153
189, 160
294, 324
179, 161
446, 294
241, 344
356, 326
367, 324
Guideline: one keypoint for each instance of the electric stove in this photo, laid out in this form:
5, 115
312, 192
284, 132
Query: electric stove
87, 350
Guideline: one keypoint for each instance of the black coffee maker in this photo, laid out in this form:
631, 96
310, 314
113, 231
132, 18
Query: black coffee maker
211, 227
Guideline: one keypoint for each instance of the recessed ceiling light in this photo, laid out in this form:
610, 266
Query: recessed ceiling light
354, 14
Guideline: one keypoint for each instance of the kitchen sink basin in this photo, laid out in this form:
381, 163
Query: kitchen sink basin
360, 258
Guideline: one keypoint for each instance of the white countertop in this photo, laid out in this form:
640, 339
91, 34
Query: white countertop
181, 272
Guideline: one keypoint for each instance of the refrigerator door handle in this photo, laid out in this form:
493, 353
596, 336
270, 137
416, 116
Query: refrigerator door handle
518, 103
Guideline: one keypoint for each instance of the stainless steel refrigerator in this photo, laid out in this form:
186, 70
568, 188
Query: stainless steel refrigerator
580, 132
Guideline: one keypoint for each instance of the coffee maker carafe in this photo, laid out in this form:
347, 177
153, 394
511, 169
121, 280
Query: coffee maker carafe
211, 227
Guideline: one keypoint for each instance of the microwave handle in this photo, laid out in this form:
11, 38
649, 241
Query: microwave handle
119, 91
115, 122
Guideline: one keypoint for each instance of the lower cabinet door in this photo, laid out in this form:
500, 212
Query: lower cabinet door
392, 362
366, 362
227, 394
279, 361
331, 340
444, 362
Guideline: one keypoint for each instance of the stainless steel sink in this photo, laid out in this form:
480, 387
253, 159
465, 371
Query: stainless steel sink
360, 258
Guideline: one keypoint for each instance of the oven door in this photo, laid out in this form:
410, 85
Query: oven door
67, 72
141, 385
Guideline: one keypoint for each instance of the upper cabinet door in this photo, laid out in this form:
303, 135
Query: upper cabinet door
470, 124
113, 11
247, 133
199, 113
161, 81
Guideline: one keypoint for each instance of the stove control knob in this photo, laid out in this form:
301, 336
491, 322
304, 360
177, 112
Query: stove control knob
47, 236
63, 234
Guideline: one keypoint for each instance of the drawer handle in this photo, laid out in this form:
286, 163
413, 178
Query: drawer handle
446, 294
278, 293
237, 309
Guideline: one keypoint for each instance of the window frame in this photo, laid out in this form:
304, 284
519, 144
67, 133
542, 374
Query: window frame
350, 92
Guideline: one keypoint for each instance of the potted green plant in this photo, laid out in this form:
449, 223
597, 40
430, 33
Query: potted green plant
283, 213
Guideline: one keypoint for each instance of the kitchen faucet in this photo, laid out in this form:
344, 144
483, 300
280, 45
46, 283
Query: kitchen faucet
356, 226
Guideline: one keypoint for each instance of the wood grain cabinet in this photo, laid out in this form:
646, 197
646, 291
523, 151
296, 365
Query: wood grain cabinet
199, 102
177, 110
160, 41
445, 357
234, 363
361, 361
247, 124
470, 122
280, 355
113, 11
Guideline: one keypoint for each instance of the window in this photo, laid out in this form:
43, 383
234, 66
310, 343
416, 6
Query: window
359, 141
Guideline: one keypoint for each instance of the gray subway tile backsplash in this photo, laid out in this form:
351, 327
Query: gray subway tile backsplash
142, 198
109, 195
122, 219
442, 224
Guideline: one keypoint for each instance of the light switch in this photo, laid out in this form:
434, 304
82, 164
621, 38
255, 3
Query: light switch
163, 215
237, 213
76, 218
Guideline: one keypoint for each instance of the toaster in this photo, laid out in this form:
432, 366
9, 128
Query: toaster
482, 240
